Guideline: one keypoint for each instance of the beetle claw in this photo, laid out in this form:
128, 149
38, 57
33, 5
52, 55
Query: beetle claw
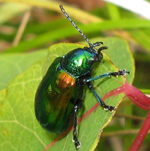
76, 143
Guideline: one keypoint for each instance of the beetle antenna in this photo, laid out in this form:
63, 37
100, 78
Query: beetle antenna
74, 24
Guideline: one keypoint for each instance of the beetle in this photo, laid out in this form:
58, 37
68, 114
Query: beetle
61, 91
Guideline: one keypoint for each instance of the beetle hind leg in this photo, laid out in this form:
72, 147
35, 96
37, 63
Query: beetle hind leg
106, 107
75, 129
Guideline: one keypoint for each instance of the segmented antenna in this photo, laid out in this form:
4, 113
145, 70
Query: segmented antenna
74, 24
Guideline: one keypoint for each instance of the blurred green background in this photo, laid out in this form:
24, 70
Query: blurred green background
28, 26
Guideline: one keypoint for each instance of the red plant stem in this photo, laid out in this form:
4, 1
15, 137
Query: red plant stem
141, 135
139, 98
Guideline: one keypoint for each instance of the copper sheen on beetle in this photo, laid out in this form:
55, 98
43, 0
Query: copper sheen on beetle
61, 91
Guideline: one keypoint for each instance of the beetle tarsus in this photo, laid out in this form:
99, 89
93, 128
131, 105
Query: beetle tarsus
120, 72
102, 48
75, 129
97, 44
76, 142
110, 108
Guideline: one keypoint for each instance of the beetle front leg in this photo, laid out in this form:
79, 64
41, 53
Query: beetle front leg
106, 107
109, 74
75, 129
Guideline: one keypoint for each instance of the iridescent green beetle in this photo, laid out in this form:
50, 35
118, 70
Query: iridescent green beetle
60, 93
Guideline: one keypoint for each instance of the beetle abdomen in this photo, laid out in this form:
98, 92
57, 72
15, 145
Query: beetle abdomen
54, 110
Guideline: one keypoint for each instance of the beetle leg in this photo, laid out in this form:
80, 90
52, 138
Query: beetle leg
106, 107
109, 74
75, 129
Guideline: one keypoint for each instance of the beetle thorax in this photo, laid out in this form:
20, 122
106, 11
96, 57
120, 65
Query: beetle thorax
78, 62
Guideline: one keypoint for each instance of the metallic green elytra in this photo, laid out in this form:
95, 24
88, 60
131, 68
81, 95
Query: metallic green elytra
61, 91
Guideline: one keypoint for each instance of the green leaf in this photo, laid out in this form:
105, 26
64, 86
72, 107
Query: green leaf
13, 64
19, 129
